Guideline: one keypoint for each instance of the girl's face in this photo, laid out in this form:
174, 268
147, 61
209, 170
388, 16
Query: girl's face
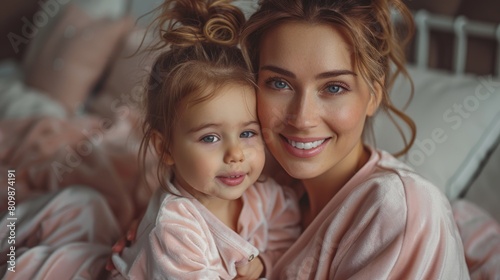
312, 103
217, 150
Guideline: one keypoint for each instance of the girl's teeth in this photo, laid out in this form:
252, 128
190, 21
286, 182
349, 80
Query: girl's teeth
306, 145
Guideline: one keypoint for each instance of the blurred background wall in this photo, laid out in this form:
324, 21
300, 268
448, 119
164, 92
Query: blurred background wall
15, 14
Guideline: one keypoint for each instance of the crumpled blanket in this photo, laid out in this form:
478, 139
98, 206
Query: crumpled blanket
481, 238
50, 153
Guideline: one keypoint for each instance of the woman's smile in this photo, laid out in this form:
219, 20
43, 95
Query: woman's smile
304, 147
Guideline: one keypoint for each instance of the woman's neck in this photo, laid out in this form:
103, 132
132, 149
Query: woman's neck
320, 190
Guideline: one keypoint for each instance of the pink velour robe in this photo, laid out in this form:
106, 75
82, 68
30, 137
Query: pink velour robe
179, 238
387, 222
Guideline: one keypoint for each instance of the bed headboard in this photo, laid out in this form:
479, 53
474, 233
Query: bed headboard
462, 28
457, 113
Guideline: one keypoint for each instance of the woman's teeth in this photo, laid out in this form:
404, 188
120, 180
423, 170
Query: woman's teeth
305, 145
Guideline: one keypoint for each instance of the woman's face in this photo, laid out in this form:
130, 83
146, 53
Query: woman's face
312, 103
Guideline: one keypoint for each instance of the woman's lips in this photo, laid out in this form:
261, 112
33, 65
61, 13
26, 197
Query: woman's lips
304, 147
232, 180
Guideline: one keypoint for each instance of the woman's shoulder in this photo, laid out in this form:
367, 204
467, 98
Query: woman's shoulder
391, 178
396, 174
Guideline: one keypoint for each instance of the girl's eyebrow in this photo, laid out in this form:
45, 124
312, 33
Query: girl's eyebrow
251, 123
328, 74
216, 125
203, 126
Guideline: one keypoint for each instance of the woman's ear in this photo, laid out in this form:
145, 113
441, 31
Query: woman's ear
160, 146
375, 98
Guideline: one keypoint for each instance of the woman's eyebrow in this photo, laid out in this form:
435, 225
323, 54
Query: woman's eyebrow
278, 70
334, 73
328, 74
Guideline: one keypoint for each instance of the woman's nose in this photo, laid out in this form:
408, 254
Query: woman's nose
234, 154
303, 111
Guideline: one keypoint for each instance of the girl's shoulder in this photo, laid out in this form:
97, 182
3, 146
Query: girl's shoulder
165, 206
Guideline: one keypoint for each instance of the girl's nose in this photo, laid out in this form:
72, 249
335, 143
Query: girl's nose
234, 154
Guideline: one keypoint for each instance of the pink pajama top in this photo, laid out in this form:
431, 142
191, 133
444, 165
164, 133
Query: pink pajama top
179, 238
386, 223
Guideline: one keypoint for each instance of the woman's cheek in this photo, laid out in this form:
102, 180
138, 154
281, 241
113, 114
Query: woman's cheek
348, 117
271, 119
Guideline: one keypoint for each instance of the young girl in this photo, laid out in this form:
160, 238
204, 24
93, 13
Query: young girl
210, 219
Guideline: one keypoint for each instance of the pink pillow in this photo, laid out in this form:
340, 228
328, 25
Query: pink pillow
73, 55
130, 70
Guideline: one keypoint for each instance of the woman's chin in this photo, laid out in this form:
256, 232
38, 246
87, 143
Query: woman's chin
301, 171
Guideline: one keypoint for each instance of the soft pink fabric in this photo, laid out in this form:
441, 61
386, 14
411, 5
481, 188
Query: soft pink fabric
386, 223
62, 235
180, 239
481, 238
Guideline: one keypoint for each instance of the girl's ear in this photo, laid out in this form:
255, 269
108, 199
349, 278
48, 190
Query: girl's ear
375, 98
160, 146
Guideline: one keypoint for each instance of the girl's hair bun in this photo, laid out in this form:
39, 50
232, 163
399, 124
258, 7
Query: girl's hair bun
189, 22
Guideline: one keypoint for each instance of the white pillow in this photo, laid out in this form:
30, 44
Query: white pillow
485, 190
458, 124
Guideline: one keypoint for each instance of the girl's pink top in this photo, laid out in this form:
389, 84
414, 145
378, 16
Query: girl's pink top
179, 238
387, 222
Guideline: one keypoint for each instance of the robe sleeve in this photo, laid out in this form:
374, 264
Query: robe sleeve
178, 247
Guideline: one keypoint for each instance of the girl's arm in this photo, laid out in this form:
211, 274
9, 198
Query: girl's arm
179, 246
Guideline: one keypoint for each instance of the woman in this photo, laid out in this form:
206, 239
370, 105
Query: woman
323, 70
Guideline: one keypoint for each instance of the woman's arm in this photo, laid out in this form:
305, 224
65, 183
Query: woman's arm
282, 214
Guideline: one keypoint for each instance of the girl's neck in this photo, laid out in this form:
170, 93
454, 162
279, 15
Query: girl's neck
320, 190
227, 211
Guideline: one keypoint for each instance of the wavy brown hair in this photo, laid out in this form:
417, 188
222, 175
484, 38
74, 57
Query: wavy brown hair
375, 44
199, 55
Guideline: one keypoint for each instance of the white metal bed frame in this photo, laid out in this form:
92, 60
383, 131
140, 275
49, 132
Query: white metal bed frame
425, 22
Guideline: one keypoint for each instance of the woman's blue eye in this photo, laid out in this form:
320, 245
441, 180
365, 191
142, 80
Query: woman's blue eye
279, 84
210, 139
276, 83
247, 134
334, 89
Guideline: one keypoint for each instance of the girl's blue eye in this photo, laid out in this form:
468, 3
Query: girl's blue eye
247, 134
210, 139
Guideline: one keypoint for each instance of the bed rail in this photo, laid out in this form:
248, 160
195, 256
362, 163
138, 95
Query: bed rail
462, 27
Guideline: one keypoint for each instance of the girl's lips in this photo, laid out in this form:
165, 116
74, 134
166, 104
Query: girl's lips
232, 180
304, 147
